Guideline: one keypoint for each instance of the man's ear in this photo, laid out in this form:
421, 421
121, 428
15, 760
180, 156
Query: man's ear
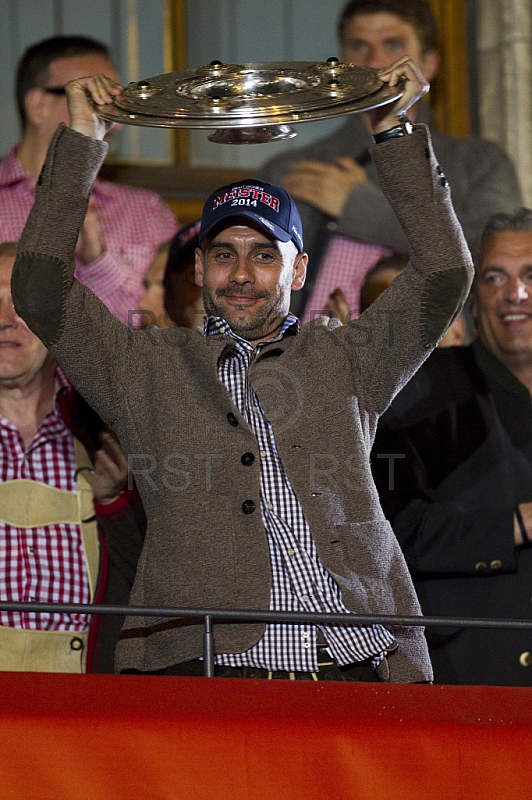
198, 266
35, 105
300, 271
430, 62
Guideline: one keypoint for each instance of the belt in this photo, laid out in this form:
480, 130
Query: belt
328, 670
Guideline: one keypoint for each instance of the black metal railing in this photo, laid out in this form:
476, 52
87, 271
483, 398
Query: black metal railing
210, 615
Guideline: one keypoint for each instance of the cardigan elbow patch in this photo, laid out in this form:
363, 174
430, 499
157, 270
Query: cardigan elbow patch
444, 295
39, 286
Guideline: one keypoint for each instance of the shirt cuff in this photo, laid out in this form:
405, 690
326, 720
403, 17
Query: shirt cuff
107, 509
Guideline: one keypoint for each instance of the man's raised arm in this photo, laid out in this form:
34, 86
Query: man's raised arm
51, 233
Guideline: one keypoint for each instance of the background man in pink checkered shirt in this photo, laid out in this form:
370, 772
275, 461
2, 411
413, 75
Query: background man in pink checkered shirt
124, 226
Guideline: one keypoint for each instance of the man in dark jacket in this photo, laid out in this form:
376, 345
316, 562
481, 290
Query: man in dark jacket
453, 464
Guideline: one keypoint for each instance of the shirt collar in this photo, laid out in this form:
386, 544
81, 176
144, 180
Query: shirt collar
61, 382
216, 326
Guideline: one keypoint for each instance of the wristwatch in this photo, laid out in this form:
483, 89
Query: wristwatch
405, 128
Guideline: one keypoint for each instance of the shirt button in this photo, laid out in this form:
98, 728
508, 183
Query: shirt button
306, 635
31, 549
232, 420
263, 454
304, 599
291, 553
306, 644
269, 506
248, 506
247, 459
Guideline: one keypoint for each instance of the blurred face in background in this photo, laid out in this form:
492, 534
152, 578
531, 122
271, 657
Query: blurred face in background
171, 295
47, 110
378, 39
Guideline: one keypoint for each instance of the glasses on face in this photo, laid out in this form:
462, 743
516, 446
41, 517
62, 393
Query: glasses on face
54, 89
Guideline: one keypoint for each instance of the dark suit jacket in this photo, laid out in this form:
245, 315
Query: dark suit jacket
460, 438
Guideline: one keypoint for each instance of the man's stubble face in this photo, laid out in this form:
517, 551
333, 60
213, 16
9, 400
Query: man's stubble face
247, 278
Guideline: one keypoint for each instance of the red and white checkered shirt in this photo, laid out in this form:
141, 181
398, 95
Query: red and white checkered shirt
42, 564
345, 264
133, 223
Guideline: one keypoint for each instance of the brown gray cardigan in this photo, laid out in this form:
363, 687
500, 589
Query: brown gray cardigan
323, 391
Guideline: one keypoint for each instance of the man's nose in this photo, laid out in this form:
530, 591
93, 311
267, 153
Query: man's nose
8, 315
242, 271
377, 58
517, 291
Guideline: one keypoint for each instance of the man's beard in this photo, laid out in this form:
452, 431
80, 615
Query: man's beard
253, 324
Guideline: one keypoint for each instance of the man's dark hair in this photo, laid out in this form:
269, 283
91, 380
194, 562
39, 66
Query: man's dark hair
519, 220
33, 67
417, 12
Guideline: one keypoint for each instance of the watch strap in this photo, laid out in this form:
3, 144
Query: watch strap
404, 128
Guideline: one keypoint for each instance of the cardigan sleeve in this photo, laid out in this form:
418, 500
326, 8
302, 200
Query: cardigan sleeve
93, 347
390, 340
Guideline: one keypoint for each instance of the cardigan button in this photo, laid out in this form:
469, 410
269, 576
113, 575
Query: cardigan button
247, 459
248, 506
481, 566
496, 564
76, 643
525, 659
232, 420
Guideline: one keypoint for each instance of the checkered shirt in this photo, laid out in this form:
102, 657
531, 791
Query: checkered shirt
299, 581
133, 224
344, 266
42, 564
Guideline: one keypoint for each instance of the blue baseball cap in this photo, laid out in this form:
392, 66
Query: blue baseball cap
268, 205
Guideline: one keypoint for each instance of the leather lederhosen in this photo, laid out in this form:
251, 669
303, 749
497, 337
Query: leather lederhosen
31, 504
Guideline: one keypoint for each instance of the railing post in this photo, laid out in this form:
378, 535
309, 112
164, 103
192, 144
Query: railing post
208, 647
